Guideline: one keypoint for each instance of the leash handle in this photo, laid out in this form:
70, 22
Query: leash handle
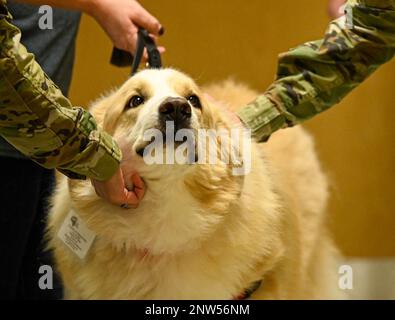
139, 52
123, 58
154, 59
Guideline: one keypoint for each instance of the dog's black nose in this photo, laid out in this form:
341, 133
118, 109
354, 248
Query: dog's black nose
177, 110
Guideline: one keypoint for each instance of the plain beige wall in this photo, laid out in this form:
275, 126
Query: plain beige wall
214, 39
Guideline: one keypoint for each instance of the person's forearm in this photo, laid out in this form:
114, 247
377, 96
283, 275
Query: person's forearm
40, 122
315, 76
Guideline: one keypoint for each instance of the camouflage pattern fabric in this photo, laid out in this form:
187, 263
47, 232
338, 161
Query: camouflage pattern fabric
40, 122
314, 76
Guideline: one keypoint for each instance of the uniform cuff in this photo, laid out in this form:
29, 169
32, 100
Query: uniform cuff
107, 164
262, 117
99, 160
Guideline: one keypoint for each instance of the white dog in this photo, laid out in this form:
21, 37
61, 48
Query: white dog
201, 231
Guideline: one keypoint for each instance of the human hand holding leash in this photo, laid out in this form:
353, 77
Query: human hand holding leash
115, 191
121, 20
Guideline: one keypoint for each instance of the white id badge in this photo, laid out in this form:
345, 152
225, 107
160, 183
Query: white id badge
76, 235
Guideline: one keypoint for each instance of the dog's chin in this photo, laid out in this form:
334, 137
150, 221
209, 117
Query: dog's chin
187, 158
167, 145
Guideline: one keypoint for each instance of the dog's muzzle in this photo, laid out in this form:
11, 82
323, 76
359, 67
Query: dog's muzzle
174, 114
176, 110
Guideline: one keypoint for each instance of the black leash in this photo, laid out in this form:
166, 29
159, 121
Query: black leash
123, 58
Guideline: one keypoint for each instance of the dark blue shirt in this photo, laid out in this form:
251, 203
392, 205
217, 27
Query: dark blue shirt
54, 49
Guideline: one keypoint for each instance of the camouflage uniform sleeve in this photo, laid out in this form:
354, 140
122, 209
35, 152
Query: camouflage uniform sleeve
40, 122
316, 75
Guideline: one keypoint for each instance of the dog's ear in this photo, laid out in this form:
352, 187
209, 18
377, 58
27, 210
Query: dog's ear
233, 142
231, 94
106, 111
216, 114
211, 113
98, 109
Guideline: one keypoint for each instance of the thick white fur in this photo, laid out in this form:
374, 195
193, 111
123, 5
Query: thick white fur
200, 232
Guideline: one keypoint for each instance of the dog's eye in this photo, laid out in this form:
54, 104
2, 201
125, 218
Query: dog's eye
195, 101
135, 101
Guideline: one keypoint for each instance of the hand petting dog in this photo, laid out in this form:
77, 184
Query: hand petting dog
115, 192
